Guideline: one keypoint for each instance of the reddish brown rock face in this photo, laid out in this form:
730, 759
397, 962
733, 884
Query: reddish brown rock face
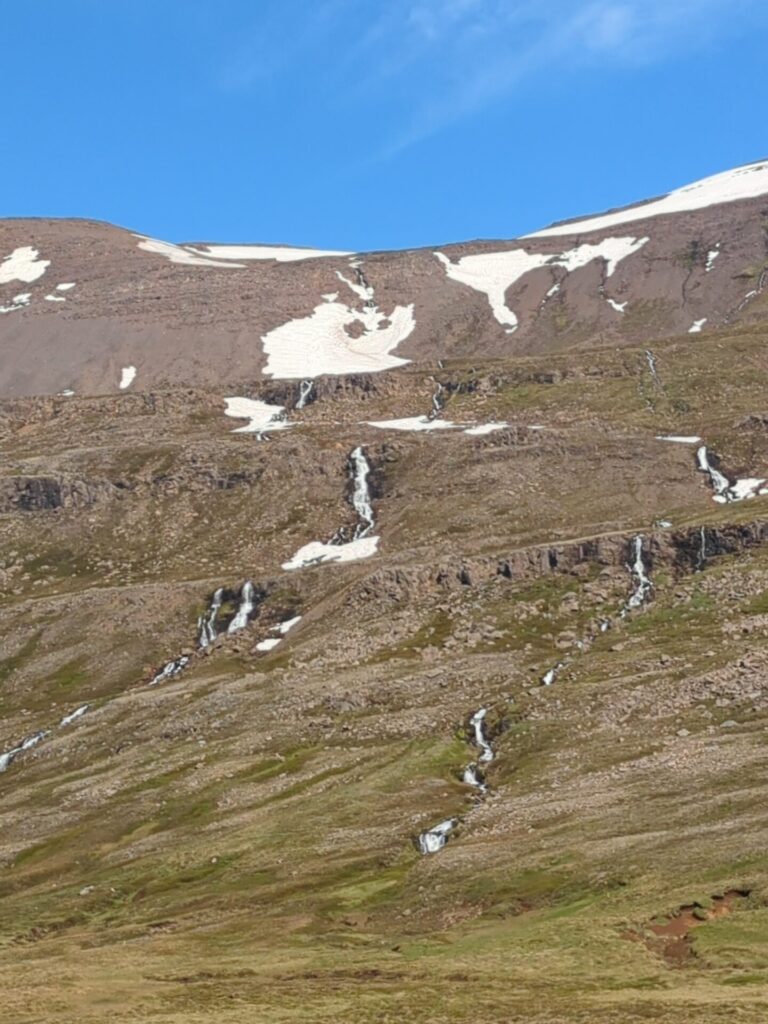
189, 315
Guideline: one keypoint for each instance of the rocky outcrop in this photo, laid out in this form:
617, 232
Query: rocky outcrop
680, 549
44, 494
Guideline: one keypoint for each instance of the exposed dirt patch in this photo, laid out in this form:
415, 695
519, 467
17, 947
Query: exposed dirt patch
672, 939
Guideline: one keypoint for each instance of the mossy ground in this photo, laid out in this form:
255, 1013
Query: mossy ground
238, 843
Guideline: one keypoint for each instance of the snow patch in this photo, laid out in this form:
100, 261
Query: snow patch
414, 423
485, 428
697, 326
67, 286
730, 186
280, 253
320, 344
317, 553
618, 306
23, 264
127, 377
679, 439
494, 273
17, 302
263, 418
269, 644
286, 626
55, 298
177, 254
711, 257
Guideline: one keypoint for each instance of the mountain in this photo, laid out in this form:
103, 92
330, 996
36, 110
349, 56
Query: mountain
81, 301
430, 689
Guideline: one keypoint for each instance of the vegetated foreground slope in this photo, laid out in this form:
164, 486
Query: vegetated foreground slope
435, 694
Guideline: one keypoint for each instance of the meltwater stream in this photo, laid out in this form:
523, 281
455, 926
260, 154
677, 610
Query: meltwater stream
305, 393
207, 623
434, 839
7, 759
643, 585
725, 490
364, 543
361, 494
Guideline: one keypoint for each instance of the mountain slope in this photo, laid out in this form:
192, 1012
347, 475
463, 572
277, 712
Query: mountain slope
430, 694
83, 301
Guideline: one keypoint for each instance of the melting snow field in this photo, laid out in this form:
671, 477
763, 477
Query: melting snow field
317, 553
269, 644
320, 343
678, 439
127, 377
494, 273
263, 418
742, 183
23, 264
281, 253
418, 424
177, 254
485, 428
18, 302
413, 423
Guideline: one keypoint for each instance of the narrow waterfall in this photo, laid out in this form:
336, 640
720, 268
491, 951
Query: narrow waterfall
9, 756
477, 722
170, 669
305, 393
435, 838
207, 623
652, 366
361, 495
438, 402
725, 490
643, 585
702, 559
73, 717
721, 485
551, 675
342, 548
245, 609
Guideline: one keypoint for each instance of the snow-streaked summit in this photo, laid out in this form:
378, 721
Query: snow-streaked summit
746, 182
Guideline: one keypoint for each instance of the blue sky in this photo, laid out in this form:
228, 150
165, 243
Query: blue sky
363, 124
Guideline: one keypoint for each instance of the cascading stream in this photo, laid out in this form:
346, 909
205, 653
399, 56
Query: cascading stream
7, 759
170, 669
434, 839
245, 609
361, 495
643, 585
305, 392
207, 623
653, 366
438, 401
725, 490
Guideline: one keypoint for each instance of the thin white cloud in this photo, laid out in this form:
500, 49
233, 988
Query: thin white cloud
480, 50
437, 61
